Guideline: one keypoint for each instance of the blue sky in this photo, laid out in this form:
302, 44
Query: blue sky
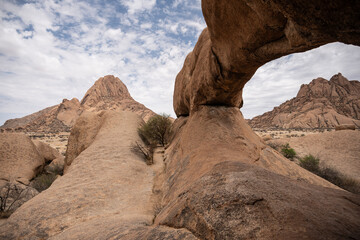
52, 49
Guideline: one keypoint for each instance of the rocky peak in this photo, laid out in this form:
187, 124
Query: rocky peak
108, 88
66, 104
319, 104
108, 93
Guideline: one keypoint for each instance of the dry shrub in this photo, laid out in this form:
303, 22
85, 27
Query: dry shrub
154, 132
9, 195
146, 151
43, 181
311, 163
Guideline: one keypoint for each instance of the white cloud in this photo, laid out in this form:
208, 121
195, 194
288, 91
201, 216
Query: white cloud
72, 43
77, 43
135, 6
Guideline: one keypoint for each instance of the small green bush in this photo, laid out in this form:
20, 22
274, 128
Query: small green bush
310, 163
288, 152
156, 130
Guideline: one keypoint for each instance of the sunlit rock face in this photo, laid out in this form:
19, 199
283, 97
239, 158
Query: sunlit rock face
243, 35
221, 180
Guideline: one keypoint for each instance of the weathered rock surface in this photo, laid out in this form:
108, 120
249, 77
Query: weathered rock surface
58, 118
339, 150
108, 93
345, 127
319, 104
82, 135
223, 182
106, 192
243, 35
53, 159
220, 181
19, 158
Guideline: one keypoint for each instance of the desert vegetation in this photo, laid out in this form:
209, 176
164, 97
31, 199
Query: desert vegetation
288, 152
44, 180
312, 164
9, 195
156, 130
152, 133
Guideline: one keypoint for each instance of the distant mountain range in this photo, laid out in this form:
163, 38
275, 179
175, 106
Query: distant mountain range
319, 104
108, 93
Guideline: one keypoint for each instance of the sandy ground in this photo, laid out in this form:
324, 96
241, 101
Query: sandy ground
277, 134
337, 149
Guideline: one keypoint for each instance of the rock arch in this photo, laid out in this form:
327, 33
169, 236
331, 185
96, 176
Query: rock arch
243, 35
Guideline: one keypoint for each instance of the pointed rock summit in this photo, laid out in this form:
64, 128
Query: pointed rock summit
319, 104
108, 93
106, 89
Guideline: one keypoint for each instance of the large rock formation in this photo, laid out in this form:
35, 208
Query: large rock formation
243, 35
223, 182
319, 104
220, 180
19, 158
58, 118
108, 93
224, 188
22, 159
106, 193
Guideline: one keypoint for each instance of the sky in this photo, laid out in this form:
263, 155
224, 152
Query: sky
53, 49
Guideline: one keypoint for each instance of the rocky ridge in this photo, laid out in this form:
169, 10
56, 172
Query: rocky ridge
319, 104
108, 93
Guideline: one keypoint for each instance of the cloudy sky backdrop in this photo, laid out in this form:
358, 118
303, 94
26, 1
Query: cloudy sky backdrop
53, 49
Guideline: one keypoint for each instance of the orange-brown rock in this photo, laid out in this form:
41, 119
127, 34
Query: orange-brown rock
243, 35
57, 118
109, 93
106, 193
221, 182
19, 158
14, 194
105, 90
82, 135
52, 157
319, 104
345, 127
